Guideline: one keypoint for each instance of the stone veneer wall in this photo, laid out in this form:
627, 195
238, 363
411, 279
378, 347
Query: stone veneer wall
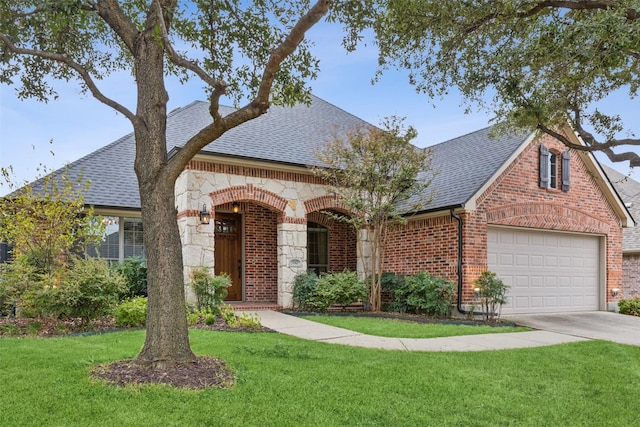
631, 275
274, 205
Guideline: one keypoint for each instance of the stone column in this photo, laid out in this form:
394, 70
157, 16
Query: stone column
292, 259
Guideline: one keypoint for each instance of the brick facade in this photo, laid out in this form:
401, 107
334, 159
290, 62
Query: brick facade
514, 199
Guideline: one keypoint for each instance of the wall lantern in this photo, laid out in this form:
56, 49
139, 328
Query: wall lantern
236, 207
615, 292
205, 216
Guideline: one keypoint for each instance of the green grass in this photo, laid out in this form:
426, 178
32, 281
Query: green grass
394, 328
285, 381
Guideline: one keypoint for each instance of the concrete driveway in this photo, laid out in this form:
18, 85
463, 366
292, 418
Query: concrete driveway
599, 325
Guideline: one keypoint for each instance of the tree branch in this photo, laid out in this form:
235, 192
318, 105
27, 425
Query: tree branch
112, 14
593, 145
181, 61
260, 104
631, 14
82, 72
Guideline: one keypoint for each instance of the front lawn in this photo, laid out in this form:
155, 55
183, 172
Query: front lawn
286, 381
396, 328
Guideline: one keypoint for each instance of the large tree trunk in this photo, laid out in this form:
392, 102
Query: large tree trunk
167, 341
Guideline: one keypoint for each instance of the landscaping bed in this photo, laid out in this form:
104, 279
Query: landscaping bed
51, 327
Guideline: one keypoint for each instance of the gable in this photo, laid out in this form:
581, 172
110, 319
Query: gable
516, 197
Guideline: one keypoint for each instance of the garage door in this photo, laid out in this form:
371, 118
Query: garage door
546, 272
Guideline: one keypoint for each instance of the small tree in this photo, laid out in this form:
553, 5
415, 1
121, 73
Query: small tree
492, 293
378, 176
46, 227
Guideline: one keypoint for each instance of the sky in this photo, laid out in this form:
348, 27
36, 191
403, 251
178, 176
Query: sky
74, 125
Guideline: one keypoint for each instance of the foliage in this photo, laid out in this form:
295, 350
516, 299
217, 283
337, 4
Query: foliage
253, 51
426, 294
132, 313
86, 288
304, 287
532, 64
249, 320
46, 222
89, 290
492, 294
134, 271
229, 315
210, 290
378, 176
630, 306
338, 288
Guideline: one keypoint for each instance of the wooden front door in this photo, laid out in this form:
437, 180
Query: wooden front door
228, 251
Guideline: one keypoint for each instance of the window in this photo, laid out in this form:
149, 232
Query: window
549, 166
553, 170
122, 239
318, 247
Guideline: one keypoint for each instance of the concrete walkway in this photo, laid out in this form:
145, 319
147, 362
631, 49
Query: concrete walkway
302, 328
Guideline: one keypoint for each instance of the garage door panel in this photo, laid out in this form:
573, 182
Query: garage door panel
546, 271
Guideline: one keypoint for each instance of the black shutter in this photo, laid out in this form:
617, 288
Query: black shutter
544, 167
566, 157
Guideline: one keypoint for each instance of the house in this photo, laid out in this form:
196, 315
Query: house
545, 219
629, 191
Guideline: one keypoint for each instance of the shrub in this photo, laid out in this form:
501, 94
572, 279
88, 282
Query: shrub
426, 294
229, 315
210, 290
630, 306
89, 290
249, 320
492, 294
134, 271
391, 282
304, 287
338, 288
132, 313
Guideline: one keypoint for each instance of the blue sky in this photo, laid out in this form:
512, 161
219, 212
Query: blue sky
75, 125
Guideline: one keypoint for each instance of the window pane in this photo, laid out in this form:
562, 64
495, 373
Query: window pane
318, 247
133, 244
110, 246
553, 170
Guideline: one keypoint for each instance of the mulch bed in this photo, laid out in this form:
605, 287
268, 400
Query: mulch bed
50, 327
205, 372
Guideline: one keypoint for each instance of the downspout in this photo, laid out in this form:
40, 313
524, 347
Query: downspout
460, 242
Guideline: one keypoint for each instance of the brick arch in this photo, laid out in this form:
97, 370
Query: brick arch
323, 203
248, 193
548, 216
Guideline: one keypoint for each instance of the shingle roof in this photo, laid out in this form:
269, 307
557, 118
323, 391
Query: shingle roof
291, 136
629, 191
464, 164
284, 135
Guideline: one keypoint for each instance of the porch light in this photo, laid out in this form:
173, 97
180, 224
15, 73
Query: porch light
205, 217
615, 292
236, 207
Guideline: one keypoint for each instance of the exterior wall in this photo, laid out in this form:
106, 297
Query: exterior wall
426, 244
261, 253
274, 206
631, 275
515, 199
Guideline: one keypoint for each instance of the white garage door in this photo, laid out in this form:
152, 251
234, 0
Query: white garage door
546, 272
